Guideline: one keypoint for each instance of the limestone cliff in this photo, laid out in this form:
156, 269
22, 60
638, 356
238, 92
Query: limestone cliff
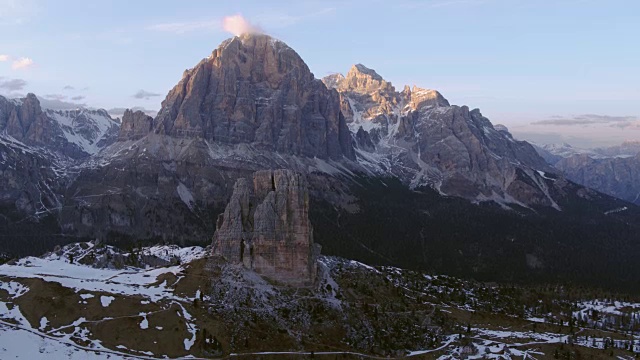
256, 90
135, 125
266, 227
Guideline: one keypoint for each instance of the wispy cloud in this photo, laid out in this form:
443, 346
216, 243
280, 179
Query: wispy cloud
55, 97
16, 12
78, 98
417, 4
57, 104
274, 20
22, 63
68, 87
237, 24
146, 95
4, 58
187, 26
12, 84
587, 120
628, 125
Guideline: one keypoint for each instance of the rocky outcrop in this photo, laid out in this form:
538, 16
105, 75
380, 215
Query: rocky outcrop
266, 227
418, 98
364, 95
135, 125
24, 120
256, 90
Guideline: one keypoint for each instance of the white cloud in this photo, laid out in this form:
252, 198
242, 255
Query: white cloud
237, 25
22, 63
4, 58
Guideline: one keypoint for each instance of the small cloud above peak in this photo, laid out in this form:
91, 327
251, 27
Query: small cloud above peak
4, 58
238, 25
22, 63
143, 94
68, 87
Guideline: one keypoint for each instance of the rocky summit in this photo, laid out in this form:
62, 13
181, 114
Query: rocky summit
257, 90
425, 141
266, 227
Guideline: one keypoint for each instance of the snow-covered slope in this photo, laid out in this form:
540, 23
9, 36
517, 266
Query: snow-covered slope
90, 130
56, 307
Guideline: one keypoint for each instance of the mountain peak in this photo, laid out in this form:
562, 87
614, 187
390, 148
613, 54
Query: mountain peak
420, 97
365, 80
241, 91
361, 69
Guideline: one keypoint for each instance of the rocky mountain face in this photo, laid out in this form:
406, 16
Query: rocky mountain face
135, 125
252, 105
40, 152
73, 133
612, 170
266, 227
30, 180
617, 176
254, 89
425, 141
365, 149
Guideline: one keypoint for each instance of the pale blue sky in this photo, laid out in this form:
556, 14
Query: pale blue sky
519, 61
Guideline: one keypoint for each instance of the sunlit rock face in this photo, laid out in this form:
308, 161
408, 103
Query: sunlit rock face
266, 227
256, 90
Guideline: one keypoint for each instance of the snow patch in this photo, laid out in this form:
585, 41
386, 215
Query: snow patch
185, 196
43, 323
144, 324
616, 210
106, 300
18, 343
15, 289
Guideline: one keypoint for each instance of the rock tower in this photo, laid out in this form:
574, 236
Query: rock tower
266, 227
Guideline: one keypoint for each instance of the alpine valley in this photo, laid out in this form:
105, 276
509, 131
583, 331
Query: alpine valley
254, 160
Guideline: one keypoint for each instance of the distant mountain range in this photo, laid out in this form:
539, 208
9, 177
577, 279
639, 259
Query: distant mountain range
613, 170
396, 177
